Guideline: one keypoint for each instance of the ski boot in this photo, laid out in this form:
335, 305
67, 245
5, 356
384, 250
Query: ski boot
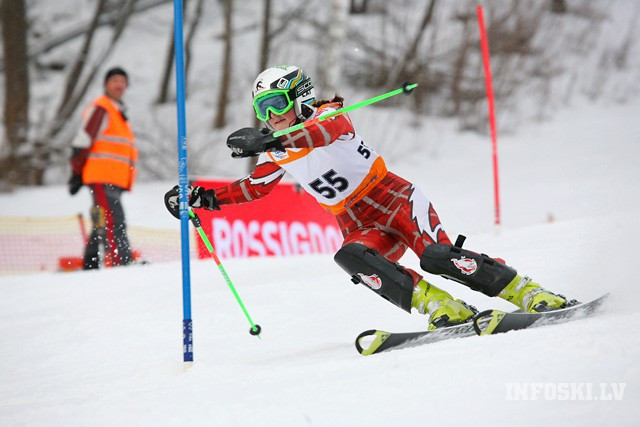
531, 297
442, 309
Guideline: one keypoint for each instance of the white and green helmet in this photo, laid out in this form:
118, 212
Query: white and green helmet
280, 88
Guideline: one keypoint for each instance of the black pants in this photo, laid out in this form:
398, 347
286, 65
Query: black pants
109, 228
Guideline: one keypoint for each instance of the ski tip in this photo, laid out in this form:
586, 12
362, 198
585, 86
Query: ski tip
594, 303
598, 302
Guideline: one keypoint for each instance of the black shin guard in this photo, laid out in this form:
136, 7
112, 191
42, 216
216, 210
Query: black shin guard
477, 271
385, 278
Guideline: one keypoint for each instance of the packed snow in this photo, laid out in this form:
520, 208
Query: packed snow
105, 347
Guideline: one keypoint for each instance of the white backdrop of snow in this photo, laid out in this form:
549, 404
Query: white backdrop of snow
104, 348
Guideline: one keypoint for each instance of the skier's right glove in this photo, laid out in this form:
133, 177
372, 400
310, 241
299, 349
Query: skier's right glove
199, 197
249, 142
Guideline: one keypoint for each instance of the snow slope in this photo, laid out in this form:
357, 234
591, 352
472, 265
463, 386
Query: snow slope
104, 348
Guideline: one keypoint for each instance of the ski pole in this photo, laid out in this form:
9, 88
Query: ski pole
195, 220
406, 88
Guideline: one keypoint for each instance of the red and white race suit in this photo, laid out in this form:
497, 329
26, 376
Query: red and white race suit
348, 178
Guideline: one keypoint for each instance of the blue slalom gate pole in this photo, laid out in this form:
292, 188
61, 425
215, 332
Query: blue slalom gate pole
187, 323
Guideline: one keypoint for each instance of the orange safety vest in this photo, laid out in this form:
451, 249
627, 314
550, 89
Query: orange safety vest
113, 155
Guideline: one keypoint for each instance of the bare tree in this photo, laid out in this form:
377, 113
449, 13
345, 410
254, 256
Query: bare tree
193, 26
335, 42
16, 81
80, 29
45, 146
358, 6
223, 97
163, 92
265, 46
460, 63
409, 61
559, 6
81, 59
165, 80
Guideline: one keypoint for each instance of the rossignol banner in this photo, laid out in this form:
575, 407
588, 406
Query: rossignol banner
287, 221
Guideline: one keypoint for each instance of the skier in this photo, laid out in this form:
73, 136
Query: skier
379, 213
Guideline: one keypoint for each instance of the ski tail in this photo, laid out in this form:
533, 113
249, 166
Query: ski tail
376, 341
373, 340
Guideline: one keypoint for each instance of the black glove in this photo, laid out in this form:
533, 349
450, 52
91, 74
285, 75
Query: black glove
201, 198
75, 182
249, 142
198, 198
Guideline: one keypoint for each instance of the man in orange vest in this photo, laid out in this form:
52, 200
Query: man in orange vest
104, 158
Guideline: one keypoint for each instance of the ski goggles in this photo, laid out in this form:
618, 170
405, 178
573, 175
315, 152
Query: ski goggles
275, 101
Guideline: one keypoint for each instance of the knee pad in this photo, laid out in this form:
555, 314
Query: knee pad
387, 279
477, 271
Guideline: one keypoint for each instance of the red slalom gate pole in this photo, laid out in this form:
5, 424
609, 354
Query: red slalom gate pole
492, 115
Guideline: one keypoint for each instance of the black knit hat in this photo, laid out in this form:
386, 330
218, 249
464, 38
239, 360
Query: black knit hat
116, 71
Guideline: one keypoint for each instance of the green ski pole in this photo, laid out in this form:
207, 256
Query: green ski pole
195, 220
406, 88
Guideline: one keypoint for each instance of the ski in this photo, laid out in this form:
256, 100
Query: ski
487, 322
492, 322
376, 341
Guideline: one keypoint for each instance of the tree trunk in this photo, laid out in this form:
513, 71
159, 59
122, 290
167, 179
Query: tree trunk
358, 6
163, 93
335, 41
407, 68
459, 66
78, 67
16, 81
193, 26
165, 81
220, 121
559, 6
265, 46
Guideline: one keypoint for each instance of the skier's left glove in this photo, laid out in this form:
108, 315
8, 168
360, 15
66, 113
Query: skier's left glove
198, 198
249, 142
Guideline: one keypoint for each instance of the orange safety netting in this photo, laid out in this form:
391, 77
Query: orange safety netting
57, 243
